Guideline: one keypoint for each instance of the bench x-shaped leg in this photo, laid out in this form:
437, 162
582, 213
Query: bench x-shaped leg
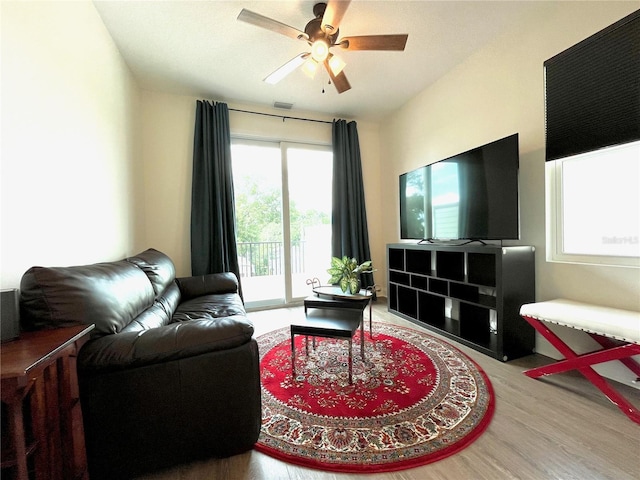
628, 362
582, 363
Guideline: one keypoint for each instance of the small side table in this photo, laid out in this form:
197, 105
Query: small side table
41, 402
340, 324
332, 296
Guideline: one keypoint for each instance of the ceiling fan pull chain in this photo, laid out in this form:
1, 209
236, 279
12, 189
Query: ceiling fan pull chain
328, 83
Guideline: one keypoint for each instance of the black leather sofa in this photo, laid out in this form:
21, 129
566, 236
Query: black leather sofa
171, 373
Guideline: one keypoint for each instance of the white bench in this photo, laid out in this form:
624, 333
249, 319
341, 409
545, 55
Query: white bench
617, 331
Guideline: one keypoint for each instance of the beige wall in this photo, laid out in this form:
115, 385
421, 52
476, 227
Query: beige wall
93, 169
496, 92
69, 131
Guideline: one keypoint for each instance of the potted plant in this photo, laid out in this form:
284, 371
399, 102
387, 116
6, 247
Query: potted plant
346, 271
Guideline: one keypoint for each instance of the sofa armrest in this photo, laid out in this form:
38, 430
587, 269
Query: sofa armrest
162, 344
191, 287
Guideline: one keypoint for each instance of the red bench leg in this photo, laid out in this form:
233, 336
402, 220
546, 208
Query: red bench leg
620, 352
605, 342
582, 363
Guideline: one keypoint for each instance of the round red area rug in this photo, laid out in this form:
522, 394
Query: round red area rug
414, 400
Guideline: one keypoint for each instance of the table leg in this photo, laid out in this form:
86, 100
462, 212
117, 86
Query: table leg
42, 456
350, 361
16, 428
362, 337
293, 356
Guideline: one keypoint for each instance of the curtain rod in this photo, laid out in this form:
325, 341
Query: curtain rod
283, 117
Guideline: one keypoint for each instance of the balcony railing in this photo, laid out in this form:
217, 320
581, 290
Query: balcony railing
259, 259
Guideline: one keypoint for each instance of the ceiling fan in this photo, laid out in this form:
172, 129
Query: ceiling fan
321, 34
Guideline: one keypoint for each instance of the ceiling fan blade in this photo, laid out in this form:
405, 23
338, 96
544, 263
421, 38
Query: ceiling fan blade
340, 80
333, 15
265, 22
286, 69
375, 42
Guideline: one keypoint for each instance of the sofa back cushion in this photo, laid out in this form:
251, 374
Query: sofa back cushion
109, 295
157, 266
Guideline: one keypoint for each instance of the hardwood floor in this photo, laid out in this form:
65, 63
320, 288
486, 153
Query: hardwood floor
560, 427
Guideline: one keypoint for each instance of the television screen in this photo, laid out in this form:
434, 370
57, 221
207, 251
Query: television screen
473, 195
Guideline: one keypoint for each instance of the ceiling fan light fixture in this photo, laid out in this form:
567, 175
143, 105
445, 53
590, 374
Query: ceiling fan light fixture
320, 50
310, 67
336, 64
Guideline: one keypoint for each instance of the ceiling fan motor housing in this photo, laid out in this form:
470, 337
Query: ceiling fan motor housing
319, 9
314, 28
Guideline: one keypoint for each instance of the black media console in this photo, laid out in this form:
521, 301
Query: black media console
469, 293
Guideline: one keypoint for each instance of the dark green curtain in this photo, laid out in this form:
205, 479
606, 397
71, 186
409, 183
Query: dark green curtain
213, 231
350, 235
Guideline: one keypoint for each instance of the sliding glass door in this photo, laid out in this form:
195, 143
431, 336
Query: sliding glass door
309, 185
283, 215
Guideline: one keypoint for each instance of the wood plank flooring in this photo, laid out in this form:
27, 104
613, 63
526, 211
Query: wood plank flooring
558, 428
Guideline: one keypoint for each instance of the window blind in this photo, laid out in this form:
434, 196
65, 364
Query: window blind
592, 91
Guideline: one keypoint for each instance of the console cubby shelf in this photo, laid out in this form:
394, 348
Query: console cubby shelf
469, 293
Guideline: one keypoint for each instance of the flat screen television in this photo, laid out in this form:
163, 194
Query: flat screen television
470, 196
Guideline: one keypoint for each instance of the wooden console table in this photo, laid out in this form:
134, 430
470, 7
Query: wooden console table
42, 430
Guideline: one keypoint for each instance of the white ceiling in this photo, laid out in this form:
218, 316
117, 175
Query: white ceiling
198, 48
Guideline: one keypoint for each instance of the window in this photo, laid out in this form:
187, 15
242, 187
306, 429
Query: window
593, 206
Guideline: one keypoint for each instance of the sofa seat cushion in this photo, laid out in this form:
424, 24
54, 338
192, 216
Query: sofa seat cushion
209, 307
163, 344
159, 314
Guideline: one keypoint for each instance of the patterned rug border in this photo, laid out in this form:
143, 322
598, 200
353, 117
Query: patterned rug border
442, 453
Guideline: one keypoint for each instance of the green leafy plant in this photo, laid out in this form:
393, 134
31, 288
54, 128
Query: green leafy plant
346, 271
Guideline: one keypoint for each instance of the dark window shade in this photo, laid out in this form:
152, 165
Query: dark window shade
592, 92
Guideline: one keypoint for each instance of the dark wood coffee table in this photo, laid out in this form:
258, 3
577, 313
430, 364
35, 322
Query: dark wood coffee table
332, 297
329, 323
